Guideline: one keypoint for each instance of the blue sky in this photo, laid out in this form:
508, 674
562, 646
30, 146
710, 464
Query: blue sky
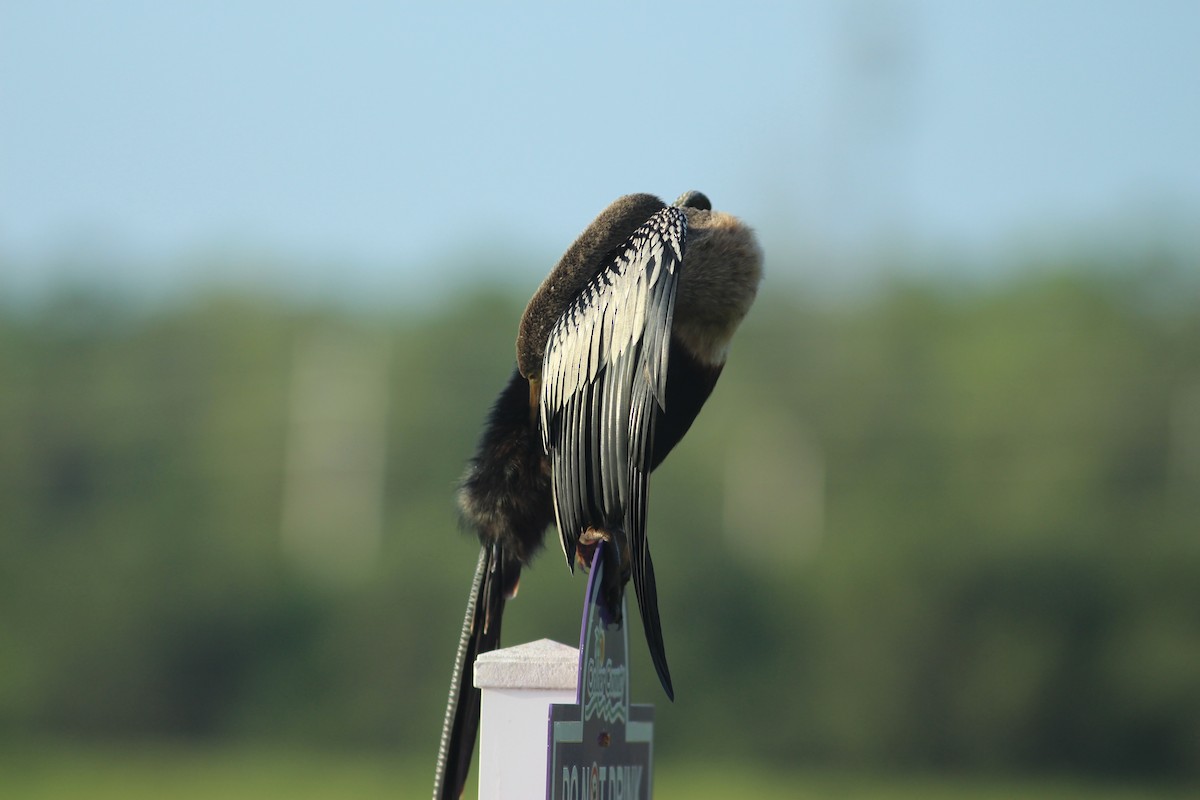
382, 146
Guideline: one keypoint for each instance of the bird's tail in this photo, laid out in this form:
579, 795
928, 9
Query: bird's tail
647, 595
495, 580
642, 571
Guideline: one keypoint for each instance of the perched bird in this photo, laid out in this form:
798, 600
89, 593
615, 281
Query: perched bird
616, 353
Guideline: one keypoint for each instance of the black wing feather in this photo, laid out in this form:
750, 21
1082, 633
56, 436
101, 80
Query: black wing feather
604, 379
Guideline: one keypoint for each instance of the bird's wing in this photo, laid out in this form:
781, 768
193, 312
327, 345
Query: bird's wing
603, 385
604, 378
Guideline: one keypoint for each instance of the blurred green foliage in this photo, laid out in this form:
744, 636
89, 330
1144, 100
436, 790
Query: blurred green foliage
933, 527
196, 772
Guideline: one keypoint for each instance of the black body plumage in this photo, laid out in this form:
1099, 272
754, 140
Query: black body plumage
616, 353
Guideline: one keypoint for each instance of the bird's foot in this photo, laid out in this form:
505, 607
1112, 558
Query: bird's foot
586, 550
591, 536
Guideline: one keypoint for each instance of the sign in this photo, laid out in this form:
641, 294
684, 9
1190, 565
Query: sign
601, 747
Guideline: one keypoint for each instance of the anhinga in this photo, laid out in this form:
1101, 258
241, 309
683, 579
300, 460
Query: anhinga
616, 353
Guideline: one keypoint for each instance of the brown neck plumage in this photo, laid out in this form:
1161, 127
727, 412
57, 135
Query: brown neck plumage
720, 276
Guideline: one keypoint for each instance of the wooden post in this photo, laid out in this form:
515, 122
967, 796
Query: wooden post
518, 685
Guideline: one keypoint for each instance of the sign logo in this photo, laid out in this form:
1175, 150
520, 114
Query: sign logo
605, 685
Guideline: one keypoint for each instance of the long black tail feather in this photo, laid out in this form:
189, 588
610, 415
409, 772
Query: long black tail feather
495, 577
642, 572
647, 595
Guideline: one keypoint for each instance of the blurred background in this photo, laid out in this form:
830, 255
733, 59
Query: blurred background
261, 267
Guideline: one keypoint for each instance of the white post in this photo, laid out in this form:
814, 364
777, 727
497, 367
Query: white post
518, 685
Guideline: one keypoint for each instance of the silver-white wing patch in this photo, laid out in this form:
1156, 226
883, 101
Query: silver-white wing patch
603, 385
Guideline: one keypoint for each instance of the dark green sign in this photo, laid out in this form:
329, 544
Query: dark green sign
601, 747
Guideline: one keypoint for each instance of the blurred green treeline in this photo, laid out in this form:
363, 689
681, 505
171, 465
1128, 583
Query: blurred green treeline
931, 526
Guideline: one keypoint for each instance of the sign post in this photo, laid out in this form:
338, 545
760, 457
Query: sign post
601, 746
517, 686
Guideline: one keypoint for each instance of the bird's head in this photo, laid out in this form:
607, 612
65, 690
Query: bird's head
693, 199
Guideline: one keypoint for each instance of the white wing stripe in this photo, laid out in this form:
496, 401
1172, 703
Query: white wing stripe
604, 380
